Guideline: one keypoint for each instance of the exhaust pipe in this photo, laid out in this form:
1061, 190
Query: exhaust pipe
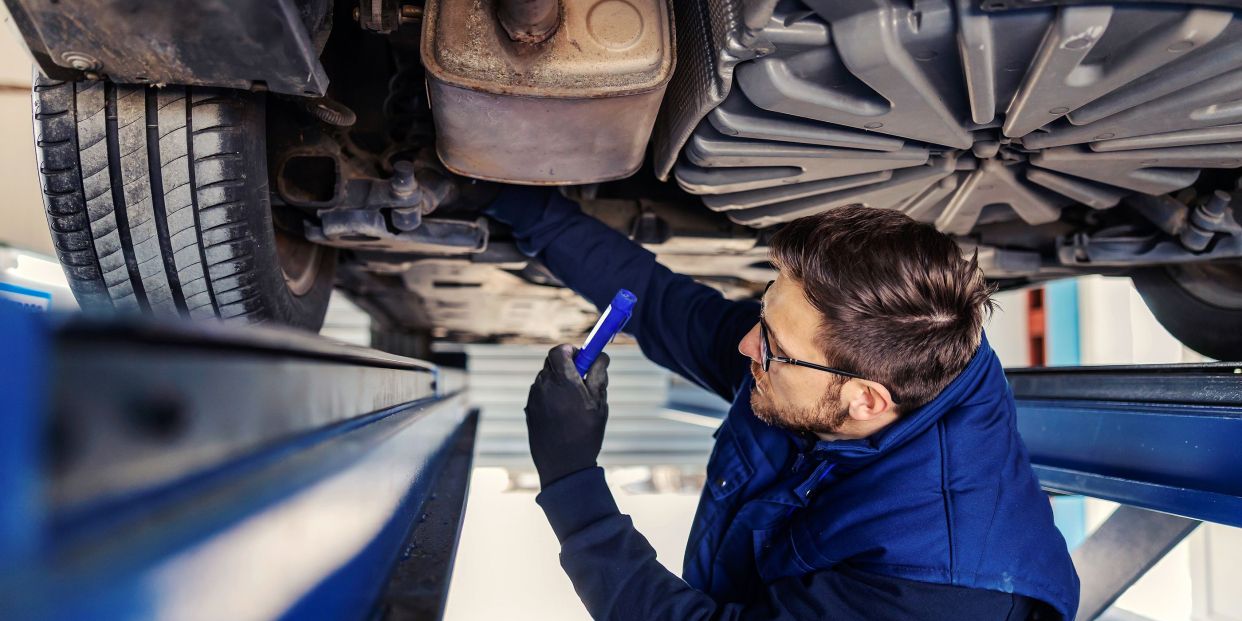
529, 21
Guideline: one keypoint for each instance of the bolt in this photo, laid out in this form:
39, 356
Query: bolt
411, 13
1219, 203
402, 184
1205, 221
80, 61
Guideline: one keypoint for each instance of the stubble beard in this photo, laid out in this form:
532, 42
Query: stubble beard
827, 416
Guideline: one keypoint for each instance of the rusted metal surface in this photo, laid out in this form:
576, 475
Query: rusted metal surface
576, 108
244, 44
529, 21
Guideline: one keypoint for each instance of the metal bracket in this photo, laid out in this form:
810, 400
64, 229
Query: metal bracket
1125, 249
388, 215
363, 230
383, 16
246, 44
649, 228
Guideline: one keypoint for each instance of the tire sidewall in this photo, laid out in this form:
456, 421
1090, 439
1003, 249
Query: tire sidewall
305, 311
1206, 328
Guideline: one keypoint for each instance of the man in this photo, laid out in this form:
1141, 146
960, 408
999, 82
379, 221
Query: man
869, 467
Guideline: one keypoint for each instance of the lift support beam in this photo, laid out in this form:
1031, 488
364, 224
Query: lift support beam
172, 470
214, 473
1160, 439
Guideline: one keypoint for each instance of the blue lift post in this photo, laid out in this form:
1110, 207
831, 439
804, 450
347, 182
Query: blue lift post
190, 471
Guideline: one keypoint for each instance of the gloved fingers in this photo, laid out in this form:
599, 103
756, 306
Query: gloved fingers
560, 363
597, 376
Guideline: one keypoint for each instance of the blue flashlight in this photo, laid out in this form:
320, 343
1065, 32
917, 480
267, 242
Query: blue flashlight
610, 323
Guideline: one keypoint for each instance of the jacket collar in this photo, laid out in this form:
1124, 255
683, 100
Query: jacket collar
860, 451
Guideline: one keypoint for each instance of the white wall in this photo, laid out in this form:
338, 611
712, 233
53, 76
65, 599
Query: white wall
1115, 326
1007, 329
22, 224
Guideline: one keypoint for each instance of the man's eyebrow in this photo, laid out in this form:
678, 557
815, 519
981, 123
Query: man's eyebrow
763, 314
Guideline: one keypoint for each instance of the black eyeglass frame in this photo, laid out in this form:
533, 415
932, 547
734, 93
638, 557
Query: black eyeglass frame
765, 351
769, 357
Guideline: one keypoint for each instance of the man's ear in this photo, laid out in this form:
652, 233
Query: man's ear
867, 400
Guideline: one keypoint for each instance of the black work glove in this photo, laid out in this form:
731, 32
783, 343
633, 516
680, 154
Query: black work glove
565, 416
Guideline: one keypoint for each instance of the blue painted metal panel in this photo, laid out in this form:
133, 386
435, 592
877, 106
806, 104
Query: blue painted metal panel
307, 525
1181, 459
22, 372
313, 532
1061, 319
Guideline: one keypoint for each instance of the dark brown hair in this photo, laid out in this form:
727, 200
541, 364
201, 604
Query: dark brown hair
900, 305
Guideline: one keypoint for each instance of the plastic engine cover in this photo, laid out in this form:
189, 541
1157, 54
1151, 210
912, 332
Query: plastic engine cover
577, 108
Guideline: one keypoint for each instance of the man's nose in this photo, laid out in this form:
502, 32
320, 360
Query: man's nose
749, 346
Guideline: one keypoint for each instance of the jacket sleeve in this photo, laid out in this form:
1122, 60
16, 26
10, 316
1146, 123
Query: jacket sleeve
618, 578
684, 326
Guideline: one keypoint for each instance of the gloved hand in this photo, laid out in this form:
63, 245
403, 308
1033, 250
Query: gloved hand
565, 416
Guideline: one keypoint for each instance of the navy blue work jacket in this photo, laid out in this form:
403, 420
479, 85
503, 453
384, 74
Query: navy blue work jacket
937, 516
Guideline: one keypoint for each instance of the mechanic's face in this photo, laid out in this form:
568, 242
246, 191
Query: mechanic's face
800, 398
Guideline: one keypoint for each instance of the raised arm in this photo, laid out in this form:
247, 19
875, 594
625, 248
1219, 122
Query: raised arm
680, 324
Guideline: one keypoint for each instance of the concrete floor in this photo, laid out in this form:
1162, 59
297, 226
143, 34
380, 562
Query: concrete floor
507, 562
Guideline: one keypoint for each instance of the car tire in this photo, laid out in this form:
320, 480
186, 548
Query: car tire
158, 202
1199, 303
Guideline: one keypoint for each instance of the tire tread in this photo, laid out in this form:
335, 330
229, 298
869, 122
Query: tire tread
150, 195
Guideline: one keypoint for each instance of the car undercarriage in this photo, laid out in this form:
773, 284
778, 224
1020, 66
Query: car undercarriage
239, 159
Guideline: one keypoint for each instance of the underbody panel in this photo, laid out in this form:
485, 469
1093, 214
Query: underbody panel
1049, 139
959, 117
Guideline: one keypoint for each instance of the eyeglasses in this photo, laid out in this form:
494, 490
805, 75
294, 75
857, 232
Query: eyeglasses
765, 350
768, 357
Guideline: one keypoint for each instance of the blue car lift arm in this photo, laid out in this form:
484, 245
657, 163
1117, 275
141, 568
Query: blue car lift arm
1160, 439
152, 471
174, 471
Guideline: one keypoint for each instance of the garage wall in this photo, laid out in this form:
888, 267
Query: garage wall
645, 426
1007, 330
21, 207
